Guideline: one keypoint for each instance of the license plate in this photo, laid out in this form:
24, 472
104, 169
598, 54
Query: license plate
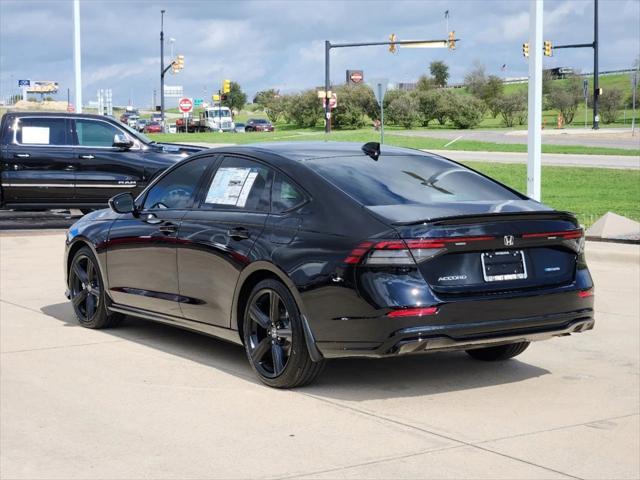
505, 265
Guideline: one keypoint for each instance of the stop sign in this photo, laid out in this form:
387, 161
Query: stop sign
185, 105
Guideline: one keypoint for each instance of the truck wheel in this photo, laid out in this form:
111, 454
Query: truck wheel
500, 352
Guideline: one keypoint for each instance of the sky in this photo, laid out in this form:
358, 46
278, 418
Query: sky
280, 44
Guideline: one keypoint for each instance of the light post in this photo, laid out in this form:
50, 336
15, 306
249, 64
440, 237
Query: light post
162, 71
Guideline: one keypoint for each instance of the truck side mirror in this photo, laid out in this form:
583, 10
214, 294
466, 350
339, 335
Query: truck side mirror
120, 140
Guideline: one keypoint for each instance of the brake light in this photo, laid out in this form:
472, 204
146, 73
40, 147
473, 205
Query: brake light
585, 293
413, 312
566, 235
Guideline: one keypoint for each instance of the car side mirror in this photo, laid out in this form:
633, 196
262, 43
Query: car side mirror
123, 203
120, 140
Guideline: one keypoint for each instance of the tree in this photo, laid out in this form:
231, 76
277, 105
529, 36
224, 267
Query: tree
425, 83
391, 95
476, 79
512, 108
566, 98
446, 101
355, 104
264, 96
440, 72
236, 98
303, 109
274, 108
404, 111
427, 105
611, 102
466, 111
490, 92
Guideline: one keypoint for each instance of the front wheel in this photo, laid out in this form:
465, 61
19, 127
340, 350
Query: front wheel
274, 340
87, 293
500, 352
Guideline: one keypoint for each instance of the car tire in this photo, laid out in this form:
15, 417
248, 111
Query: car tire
274, 338
498, 353
87, 292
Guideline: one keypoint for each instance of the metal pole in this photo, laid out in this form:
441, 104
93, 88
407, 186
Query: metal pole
327, 81
534, 146
381, 114
635, 87
77, 55
162, 69
596, 87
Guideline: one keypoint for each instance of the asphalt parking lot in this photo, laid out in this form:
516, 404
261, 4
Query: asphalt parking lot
147, 400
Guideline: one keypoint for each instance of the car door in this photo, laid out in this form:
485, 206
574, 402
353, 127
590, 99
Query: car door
141, 250
38, 164
102, 170
216, 238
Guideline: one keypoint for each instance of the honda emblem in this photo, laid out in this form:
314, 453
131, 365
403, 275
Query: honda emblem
508, 240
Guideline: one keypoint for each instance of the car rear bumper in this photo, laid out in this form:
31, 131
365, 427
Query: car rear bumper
464, 336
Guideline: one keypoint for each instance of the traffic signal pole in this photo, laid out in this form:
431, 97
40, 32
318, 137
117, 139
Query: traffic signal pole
534, 137
162, 70
450, 43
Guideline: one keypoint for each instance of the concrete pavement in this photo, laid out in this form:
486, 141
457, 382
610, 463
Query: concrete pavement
147, 400
555, 159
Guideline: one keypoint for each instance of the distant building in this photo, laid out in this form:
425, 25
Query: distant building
407, 86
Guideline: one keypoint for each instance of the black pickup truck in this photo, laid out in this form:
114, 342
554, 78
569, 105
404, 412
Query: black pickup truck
66, 160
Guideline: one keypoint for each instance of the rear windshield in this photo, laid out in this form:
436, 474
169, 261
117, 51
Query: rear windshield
408, 179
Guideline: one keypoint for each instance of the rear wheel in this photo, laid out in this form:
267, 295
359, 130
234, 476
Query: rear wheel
274, 340
500, 352
87, 292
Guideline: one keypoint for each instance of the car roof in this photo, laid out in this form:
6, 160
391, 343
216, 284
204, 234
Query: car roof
60, 114
301, 151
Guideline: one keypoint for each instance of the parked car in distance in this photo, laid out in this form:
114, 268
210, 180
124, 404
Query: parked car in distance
142, 122
259, 125
69, 160
156, 117
132, 121
153, 127
240, 128
304, 252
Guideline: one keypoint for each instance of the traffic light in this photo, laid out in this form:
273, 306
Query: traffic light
226, 86
525, 49
223, 97
548, 48
177, 64
452, 40
393, 48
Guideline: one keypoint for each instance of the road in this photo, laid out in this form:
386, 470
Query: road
147, 400
605, 137
556, 159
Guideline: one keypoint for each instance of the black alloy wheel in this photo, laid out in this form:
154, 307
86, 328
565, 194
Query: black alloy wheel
86, 288
270, 337
274, 339
86, 291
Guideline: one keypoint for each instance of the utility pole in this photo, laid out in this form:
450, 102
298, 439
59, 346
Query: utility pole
596, 86
162, 71
534, 139
77, 55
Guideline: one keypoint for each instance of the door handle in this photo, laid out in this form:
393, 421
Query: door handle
239, 233
87, 156
21, 155
168, 228
70, 168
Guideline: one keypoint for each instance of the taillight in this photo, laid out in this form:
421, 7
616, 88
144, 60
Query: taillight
404, 252
565, 235
585, 293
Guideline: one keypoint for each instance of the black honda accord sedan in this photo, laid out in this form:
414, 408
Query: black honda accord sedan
303, 252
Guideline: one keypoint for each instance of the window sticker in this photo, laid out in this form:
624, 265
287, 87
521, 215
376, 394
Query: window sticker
35, 135
231, 186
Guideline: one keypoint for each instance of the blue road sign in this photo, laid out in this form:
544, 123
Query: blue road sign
197, 102
24, 83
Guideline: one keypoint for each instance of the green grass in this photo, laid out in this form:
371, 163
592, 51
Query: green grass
368, 135
587, 192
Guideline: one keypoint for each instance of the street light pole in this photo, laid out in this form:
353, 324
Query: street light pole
162, 69
327, 81
77, 55
596, 86
534, 140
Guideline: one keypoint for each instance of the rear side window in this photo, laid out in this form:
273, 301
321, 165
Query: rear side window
239, 184
408, 179
95, 133
285, 195
42, 131
177, 189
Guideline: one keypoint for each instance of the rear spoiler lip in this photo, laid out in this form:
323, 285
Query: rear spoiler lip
499, 216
